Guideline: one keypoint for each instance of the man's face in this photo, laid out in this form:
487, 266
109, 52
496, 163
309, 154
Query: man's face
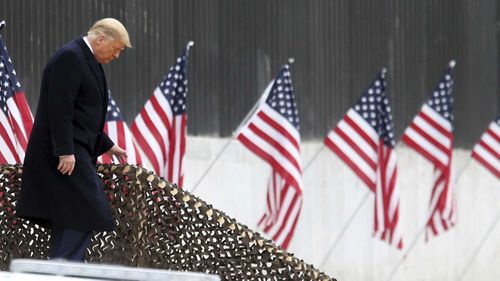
107, 49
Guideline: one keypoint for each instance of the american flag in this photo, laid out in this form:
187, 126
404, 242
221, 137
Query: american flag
364, 140
15, 117
272, 133
487, 150
431, 135
160, 127
117, 130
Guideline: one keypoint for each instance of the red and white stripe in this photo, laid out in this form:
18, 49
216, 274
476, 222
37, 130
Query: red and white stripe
274, 139
15, 129
119, 133
284, 204
487, 150
386, 225
431, 135
161, 136
357, 143
16, 120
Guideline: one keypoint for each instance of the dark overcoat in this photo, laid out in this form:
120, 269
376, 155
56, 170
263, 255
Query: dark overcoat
69, 120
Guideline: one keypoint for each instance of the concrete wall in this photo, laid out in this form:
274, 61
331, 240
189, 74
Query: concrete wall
236, 184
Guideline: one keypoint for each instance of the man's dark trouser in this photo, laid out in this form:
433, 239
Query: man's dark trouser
69, 244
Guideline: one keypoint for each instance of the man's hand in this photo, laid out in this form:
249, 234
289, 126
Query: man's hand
119, 152
66, 164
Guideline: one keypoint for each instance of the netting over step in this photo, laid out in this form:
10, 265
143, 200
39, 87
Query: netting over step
158, 226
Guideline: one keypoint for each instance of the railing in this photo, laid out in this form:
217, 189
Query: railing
158, 225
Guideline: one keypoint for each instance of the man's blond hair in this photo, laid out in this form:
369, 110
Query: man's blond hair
110, 28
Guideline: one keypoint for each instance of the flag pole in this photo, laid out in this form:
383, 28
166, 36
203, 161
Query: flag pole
351, 219
479, 247
451, 64
344, 229
422, 230
346, 226
313, 158
233, 137
237, 131
256, 105
188, 46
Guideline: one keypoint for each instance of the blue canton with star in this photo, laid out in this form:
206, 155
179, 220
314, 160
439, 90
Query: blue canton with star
498, 120
281, 97
174, 85
442, 100
113, 110
374, 107
8, 80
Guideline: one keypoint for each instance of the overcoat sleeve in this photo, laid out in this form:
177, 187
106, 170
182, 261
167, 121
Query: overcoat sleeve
63, 83
106, 145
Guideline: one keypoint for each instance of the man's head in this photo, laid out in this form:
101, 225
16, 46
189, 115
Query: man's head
108, 37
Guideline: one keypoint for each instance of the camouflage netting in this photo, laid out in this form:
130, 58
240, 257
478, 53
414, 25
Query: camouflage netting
158, 226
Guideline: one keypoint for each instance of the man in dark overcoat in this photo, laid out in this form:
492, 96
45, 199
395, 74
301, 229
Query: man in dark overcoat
60, 187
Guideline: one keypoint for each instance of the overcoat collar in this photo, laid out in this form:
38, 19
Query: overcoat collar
94, 66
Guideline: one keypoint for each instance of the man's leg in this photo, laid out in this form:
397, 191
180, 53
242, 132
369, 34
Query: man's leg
69, 244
